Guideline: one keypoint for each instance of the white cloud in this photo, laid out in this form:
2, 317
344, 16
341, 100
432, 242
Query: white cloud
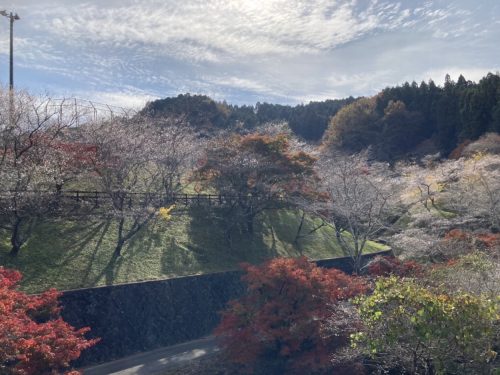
287, 51
209, 30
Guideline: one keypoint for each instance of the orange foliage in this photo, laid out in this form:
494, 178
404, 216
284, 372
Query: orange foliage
482, 240
457, 234
489, 240
274, 169
282, 318
458, 151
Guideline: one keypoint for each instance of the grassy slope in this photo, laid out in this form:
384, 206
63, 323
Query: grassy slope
68, 254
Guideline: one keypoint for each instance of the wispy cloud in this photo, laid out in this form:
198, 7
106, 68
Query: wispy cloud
210, 30
248, 50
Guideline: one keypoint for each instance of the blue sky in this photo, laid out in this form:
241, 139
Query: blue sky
125, 52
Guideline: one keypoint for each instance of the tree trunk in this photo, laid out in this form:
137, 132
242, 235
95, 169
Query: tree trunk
357, 264
118, 249
15, 238
337, 233
121, 240
356, 258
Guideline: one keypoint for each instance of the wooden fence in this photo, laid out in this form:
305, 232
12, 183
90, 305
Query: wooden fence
96, 199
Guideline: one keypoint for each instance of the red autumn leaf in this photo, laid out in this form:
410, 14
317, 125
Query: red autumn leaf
284, 313
34, 339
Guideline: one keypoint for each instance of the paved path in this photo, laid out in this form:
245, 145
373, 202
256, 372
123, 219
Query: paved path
156, 361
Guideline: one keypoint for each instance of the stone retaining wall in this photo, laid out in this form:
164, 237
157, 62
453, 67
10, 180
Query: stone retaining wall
142, 316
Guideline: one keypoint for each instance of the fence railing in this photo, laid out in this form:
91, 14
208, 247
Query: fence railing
120, 199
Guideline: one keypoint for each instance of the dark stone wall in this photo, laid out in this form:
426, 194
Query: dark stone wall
142, 316
345, 264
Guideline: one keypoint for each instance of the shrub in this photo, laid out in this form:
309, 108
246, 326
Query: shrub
487, 143
477, 273
469, 242
282, 322
386, 266
420, 331
34, 340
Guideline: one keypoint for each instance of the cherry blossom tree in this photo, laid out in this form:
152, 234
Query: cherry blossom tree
362, 200
30, 163
139, 163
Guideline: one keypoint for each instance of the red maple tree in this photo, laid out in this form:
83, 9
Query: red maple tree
282, 320
386, 266
34, 339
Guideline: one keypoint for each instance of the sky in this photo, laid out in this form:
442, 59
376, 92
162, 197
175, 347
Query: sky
126, 52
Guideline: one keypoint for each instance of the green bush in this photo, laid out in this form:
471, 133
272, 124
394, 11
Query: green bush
420, 331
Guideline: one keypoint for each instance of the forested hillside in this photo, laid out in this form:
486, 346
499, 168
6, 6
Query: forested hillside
308, 121
401, 121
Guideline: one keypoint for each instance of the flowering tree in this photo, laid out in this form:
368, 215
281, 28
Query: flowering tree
283, 319
476, 192
361, 201
34, 340
175, 149
475, 273
30, 161
138, 163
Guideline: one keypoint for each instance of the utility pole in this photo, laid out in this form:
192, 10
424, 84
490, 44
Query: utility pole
12, 17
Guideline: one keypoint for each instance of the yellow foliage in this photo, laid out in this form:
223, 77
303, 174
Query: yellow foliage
478, 156
166, 212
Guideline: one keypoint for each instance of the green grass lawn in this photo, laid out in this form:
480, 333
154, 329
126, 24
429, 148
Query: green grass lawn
69, 254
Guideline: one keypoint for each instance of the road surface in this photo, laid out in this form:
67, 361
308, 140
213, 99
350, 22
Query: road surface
156, 361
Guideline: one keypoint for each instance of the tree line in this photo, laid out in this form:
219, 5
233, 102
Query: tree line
418, 119
308, 121
392, 123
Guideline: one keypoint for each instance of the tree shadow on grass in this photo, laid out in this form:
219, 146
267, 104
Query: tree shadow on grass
46, 260
209, 244
76, 246
132, 264
109, 271
86, 274
143, 241
321, 243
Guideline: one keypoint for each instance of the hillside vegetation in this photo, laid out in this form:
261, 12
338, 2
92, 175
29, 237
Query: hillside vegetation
78, 253
418, 119
276, 175
414, 167
308, 121
407, 120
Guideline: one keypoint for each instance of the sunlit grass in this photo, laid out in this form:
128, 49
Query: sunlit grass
69, 254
